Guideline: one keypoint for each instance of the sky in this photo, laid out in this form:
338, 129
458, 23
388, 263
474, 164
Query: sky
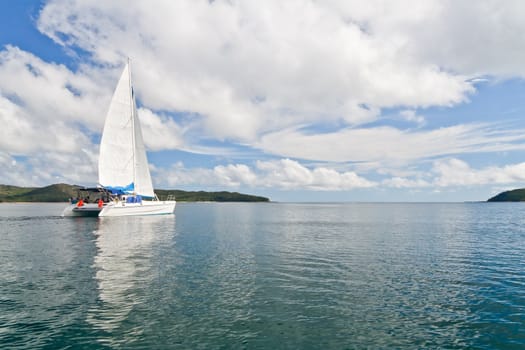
298, 100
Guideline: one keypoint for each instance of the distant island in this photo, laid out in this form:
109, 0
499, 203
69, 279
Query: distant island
62, 193
509, 196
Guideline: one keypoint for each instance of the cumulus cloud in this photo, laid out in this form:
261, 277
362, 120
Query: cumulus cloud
22, 134
235, 175
48, 115
412, 116
49, 92
48, 168
41, 100
160, 132
455, 172
245, 70
460, 36
290, 174
13, 172
281, 174
259, 66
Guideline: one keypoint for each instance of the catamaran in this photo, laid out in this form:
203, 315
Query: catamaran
125, 184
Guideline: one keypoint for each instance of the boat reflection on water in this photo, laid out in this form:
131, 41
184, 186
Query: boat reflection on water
124, 265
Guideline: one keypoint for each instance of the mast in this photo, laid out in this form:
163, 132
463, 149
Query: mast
132, 119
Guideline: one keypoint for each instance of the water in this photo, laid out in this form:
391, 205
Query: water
258, 276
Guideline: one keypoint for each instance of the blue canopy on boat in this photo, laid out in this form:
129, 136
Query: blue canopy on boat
129, 189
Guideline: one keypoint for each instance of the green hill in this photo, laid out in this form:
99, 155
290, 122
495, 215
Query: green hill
62, 193
510, 196
202, 196
52, 193
9, 191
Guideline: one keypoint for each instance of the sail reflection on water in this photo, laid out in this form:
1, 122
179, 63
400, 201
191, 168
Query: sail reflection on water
124, 266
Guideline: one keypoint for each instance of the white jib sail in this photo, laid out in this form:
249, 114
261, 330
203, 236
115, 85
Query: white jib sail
122, 161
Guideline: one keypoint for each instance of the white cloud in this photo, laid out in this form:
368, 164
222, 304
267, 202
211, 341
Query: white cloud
55, 167
13, 172
23, 134
45, 106
48, 114
455, 172
234, 175
160, 132
251, 67
399, 182
247, 70
474, 38
48, 168
50, 93
282, 174
390, 145
285, 173
412, 116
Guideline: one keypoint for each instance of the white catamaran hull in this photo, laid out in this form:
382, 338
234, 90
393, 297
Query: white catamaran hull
144, 208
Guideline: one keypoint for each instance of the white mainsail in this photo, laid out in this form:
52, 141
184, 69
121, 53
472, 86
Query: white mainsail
122, 162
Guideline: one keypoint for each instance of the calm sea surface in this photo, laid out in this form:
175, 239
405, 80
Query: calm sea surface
265, 276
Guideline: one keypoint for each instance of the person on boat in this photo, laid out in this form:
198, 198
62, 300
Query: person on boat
80, 202
100, 202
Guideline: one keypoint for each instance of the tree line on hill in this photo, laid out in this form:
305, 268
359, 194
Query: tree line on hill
517, 195
63, 192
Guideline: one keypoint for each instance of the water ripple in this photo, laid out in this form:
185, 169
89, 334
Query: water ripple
266, 276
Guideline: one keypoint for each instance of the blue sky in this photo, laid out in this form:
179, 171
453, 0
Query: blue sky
296, 100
